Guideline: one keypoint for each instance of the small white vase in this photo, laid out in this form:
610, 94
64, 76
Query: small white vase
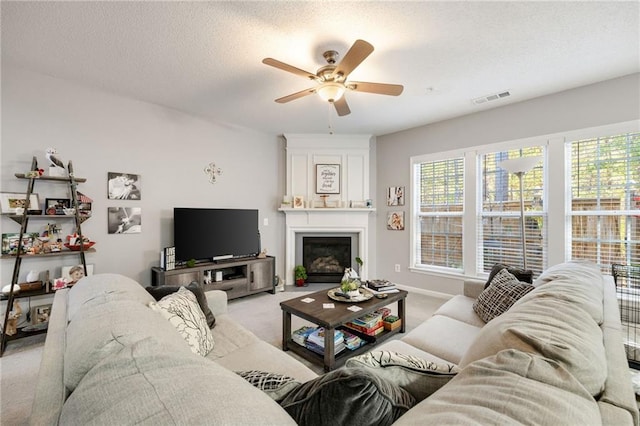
353, 294
32, 276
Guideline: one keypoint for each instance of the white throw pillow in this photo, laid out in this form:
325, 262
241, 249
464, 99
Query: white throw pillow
183, 312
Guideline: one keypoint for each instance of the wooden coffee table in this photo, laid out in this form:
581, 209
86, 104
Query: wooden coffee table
331, 319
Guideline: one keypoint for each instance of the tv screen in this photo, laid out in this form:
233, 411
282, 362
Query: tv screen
208, 234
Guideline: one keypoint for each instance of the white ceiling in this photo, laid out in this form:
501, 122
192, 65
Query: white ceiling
204, 58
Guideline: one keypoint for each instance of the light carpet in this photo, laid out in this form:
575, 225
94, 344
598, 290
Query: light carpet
259, 313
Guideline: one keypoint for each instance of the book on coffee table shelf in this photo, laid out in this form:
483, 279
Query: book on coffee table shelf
315, 341
300, 335
381, 286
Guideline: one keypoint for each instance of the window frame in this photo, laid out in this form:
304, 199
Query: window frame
557, 197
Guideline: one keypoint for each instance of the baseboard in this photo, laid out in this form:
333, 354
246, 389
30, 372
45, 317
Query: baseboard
431, 293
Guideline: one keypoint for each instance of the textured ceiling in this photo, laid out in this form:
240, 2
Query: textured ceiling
204, 58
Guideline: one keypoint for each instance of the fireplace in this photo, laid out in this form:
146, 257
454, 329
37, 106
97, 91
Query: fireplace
325, 258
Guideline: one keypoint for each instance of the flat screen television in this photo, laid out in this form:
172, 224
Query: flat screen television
214, 234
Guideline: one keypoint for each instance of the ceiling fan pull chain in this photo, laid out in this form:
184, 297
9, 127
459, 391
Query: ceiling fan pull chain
330, 124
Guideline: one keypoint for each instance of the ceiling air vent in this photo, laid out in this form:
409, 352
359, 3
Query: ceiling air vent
492, 97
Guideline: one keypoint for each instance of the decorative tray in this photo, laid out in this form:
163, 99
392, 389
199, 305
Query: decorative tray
337, 295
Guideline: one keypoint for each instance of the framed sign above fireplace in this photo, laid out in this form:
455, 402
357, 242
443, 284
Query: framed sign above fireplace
327, 178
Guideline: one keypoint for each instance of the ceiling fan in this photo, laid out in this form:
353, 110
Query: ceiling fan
332, 78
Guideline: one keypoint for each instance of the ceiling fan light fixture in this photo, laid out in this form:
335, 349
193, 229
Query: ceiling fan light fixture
331, 91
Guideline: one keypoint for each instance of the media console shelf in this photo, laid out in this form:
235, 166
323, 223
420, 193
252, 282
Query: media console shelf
236, 277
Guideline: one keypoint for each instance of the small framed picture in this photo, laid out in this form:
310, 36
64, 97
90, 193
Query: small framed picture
125, 220
298, 202
59, 284
327, 178
56, 206
395, 196
123, 186
71, 274
395, 220
10, 201
40, 314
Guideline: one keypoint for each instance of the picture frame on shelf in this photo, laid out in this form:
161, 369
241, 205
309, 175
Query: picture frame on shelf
10, 243
40, 314
56, 206
327, 178
298, 202
10, 201
71, 274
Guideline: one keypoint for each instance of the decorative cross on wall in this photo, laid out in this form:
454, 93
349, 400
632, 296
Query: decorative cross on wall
212, 171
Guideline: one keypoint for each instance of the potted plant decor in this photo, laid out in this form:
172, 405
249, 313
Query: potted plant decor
300, 275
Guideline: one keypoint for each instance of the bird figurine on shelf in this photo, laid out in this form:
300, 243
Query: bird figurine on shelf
56, 166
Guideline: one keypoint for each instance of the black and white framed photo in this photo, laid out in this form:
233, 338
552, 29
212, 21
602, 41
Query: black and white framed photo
124, 186
125, 220
395, 196
395, 220
327, 178
12, 202
56, 206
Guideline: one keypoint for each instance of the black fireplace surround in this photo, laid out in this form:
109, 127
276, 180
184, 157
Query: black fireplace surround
325, 258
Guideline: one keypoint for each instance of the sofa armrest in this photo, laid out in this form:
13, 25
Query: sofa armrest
50, 390
217, 301
473, 288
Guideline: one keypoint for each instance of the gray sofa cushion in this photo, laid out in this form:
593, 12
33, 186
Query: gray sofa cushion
146, 384
102, 330
582, 285
276, 386
509, 388
101, 288
550, 326
351, 396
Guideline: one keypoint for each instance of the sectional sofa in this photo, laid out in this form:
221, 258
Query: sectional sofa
554, 357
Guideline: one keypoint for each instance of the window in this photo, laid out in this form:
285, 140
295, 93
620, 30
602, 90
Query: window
605, 200
500, 223
439, 212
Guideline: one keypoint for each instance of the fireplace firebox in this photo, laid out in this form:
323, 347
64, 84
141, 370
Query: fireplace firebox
326, 258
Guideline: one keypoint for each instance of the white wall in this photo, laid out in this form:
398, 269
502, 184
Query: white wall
101, 132
605, 103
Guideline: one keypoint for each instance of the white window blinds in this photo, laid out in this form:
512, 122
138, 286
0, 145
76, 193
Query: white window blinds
439, 213
605, 200
499, 219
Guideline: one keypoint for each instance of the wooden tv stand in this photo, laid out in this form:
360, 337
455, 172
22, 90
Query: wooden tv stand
239, 277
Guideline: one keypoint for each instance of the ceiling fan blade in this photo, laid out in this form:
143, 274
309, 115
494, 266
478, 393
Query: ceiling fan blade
297, 95
290, 68
358, 53
341, 107
378, 88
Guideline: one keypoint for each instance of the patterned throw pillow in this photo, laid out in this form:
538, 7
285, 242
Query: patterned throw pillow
519, 273
503, 291
183, 312
277, 386
418, 376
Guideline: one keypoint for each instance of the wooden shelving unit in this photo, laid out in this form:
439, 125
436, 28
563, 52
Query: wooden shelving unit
24, 220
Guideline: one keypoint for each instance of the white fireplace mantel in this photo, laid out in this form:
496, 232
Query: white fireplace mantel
325, 220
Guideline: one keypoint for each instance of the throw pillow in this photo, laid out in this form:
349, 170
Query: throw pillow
162, 291
277, 386
519, 273
418, 376
348, 396
502, 293
182, 310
